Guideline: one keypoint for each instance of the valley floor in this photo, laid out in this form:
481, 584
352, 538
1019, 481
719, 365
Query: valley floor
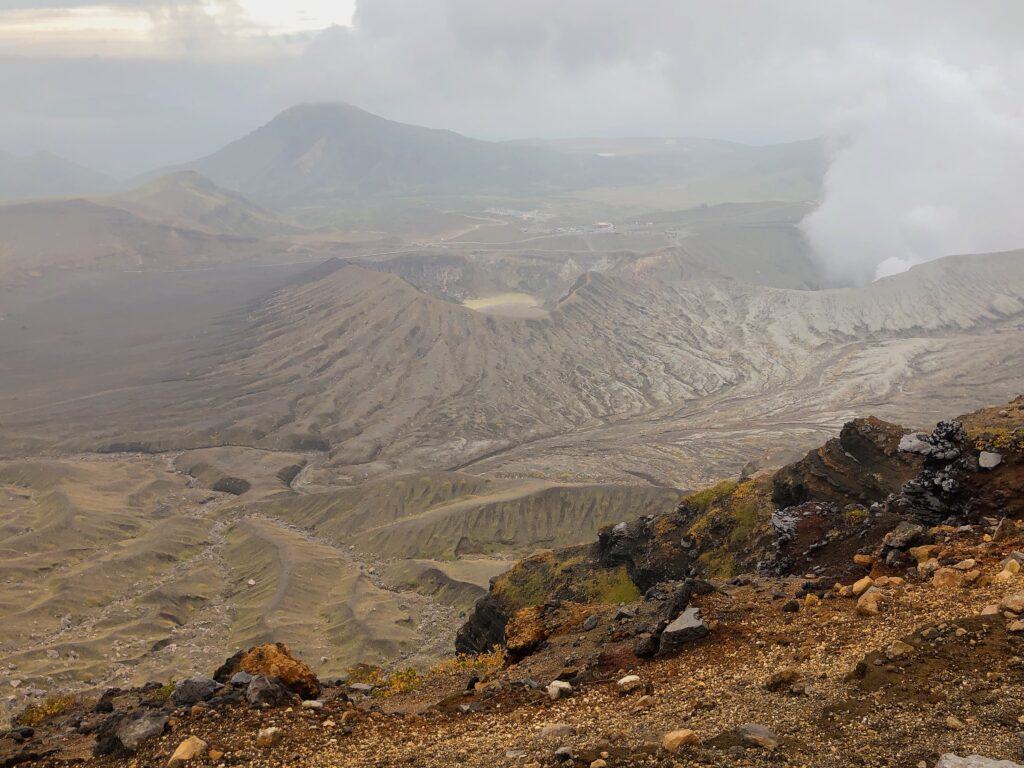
849, 693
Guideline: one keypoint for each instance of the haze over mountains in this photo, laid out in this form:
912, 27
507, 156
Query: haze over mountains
322, 385
45, 175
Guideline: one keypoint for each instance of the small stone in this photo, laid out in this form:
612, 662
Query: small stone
754, 735
1005, 529
215, 755
268, 737
192, 690
791, 606
556, 731
923, 553
629, 683
563, 754
1012, 565
861, 586
328, 723
946, 578
864, 560
599, 763
1003, 576
782, 679
1016, 626
869, 603
990, 610
1013, 603
674, 740
811, 599
312, 704
590, 622
251, 582
558, 689
899, 649
966, 565
954, 723
191, 748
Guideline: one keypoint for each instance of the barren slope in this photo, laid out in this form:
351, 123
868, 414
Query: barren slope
384, 377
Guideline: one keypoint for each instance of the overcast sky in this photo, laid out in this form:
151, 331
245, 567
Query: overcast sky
926, 88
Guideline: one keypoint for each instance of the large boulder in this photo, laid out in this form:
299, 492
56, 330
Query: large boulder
272, 660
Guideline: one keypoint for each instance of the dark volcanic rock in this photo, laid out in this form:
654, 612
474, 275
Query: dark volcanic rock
193, 690
266, 691
639, 546
862, 466
688, 627
123, 732
484, 629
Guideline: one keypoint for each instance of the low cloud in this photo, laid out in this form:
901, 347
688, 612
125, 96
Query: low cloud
929, 163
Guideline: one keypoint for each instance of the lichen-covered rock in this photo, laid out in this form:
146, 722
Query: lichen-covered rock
273, 660
525, 631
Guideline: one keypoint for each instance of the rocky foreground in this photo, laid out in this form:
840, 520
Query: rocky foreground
864, 606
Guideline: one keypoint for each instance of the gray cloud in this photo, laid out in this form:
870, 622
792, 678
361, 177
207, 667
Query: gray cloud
917, 90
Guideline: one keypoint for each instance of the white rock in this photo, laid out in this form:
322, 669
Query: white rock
557, 689
989, 459
630, 683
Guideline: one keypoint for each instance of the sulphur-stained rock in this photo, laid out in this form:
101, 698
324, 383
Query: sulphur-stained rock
273, 660
191, 749
675, 740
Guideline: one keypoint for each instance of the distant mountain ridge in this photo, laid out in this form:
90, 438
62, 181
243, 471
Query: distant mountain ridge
323, 152
328, 151
46, 175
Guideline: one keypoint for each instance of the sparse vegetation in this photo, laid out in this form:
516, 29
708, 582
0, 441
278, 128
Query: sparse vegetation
37, 714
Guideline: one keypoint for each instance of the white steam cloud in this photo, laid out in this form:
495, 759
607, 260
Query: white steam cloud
930, 163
